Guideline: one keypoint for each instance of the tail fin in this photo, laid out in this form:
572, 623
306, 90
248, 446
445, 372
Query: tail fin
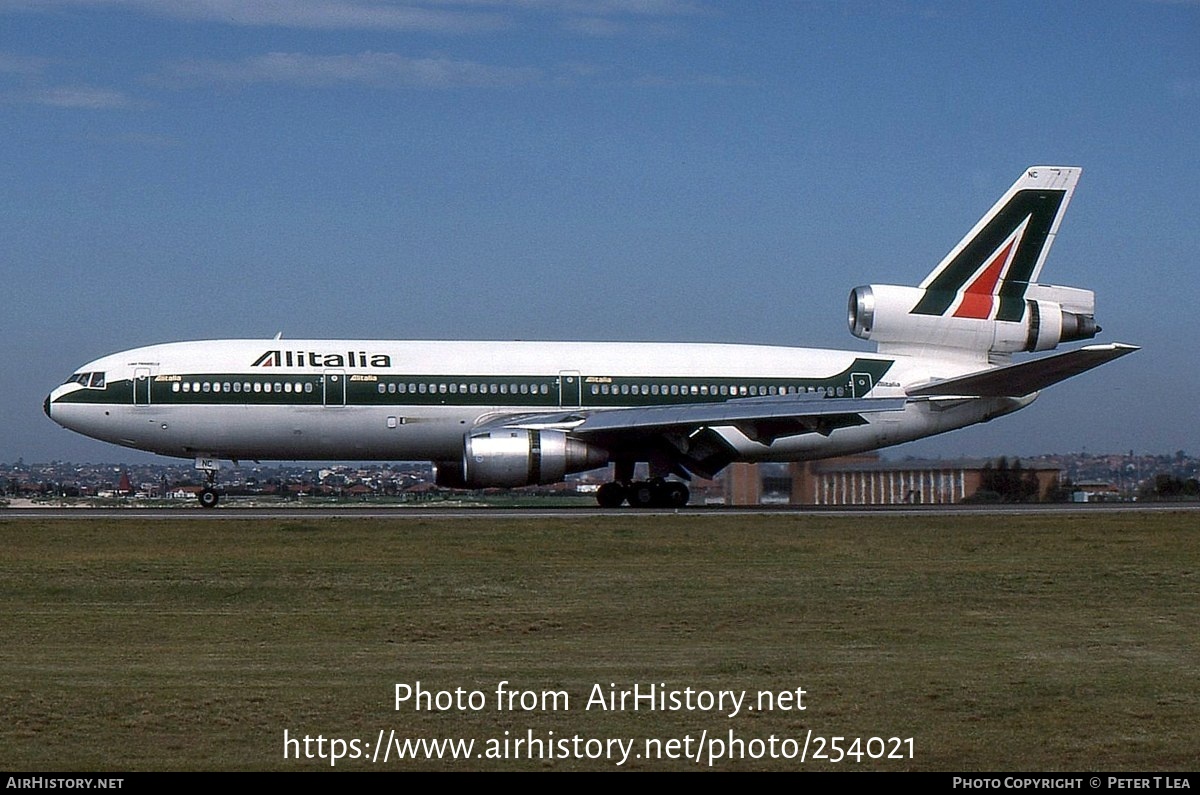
983, 298
985, 276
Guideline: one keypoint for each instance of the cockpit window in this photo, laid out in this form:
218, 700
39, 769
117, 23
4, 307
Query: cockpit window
91, 380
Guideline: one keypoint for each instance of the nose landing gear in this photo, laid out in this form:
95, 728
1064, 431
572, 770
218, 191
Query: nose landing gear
208, 496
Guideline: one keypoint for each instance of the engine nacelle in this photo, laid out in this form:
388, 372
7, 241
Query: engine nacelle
891, 316
518, 457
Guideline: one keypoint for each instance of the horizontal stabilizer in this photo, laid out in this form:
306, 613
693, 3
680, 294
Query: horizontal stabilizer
1018, 380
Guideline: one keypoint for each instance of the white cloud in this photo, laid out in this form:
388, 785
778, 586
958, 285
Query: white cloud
383, 69
22, 64
595, 26
79, 97
441, 16
312, 14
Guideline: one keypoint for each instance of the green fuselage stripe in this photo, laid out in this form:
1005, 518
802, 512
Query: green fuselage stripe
537, 391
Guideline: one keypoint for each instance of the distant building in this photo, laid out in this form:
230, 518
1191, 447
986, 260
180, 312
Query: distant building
869, 480
743, 484
1095, 491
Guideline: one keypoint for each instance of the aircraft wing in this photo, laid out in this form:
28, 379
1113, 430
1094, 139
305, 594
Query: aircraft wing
1024, 378
763, 419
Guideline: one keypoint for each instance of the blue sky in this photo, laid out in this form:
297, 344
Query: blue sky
630, 169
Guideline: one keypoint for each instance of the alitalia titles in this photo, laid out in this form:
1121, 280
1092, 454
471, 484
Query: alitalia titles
281, 358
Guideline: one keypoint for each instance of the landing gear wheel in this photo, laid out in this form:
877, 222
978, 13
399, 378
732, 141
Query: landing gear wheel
208, 498
675, 494
610, 495
643, 494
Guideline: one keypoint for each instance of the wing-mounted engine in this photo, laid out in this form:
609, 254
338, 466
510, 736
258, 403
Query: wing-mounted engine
509, 457
1044, 316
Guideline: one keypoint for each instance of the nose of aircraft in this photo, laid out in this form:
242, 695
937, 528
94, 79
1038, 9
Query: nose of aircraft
46, 406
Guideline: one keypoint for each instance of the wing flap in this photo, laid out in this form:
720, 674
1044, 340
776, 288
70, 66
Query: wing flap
1025, 378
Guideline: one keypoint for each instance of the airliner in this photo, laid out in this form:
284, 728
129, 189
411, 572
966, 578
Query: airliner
511, 414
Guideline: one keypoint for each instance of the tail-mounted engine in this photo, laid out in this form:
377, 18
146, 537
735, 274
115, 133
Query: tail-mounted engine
509, 457
1046, 315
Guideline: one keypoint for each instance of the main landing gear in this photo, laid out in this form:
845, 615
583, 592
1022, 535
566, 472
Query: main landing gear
655, 493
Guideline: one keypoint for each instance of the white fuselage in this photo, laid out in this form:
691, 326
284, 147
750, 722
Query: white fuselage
368, 399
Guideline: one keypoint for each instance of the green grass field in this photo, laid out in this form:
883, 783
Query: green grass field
1038, 642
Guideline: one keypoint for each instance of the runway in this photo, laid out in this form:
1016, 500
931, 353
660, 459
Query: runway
424, 513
